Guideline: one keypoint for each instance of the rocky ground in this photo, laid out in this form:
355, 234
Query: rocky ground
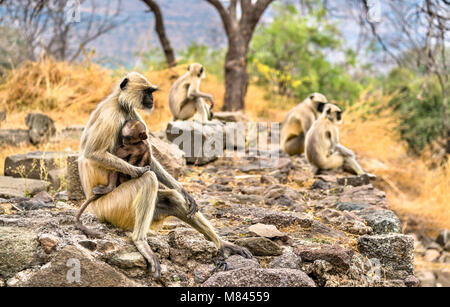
333, 229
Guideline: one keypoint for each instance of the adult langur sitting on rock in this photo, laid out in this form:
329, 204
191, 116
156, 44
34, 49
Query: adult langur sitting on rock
185, 98
140, 202
323, 150
298, 121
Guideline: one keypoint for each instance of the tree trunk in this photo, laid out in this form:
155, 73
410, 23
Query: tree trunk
161, 31
236, 77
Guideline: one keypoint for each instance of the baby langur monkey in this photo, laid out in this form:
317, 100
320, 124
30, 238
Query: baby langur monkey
323, 150
185, 98
136, 151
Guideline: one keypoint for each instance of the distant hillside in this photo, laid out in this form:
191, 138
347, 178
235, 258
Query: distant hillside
186, 21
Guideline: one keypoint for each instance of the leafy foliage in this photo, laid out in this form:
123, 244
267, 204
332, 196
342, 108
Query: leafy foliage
418, 100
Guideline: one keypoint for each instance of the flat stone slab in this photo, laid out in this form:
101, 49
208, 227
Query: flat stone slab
19, 187
14, 136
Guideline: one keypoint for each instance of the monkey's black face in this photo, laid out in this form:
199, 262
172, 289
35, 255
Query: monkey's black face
339, 116
147, 98
320, 106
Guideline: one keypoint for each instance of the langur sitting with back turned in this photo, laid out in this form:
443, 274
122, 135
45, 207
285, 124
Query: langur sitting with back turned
185, 98
323, 150
298, 121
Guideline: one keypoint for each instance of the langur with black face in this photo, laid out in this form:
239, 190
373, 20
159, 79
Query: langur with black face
139, 202
185, 98
323, 150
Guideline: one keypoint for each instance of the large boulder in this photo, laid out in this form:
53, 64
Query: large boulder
169, 155
48, 166
19, 187
17, 250
204, 142
394, 252
381, 220
41, 127
72, 267
201, 143
14, 137
255, 277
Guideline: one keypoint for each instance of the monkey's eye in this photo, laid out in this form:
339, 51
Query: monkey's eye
339, 115
150, 90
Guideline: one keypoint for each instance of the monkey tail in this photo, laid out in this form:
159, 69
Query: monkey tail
87, 231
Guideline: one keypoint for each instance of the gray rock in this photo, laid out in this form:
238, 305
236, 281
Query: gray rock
411, 281
395, 252
254, 277
288, 260
48, 166
187, 244
320, 184
127, 260
18, 248
351, 207
18, 187
74, 187
355, 181
284, 219
202, 272
340, 258
48, 242
169, 155
14, 137
235, 262
381, 220
259, 246
41, 127
73, 267
201, 143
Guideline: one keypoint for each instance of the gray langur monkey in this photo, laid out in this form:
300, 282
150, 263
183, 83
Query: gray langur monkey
323, 150
152, 194
298, 121
185, 98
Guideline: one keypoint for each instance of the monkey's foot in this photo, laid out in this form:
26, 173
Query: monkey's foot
221, 265
234, 250
88, 232
151, 258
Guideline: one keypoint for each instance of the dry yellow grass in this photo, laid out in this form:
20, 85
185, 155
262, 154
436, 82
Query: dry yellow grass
68, 93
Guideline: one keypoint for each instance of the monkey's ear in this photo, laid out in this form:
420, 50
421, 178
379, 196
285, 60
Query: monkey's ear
311, 97
201, 71
329, 111
189, 68
124, 83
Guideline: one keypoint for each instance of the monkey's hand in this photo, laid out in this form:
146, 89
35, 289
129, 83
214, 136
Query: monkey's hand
193, 207
139, 171
211, 99
152, 259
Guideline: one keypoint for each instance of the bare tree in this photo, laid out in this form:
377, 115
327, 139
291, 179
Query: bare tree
420, 29
161, 31
45, 25
239, 31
